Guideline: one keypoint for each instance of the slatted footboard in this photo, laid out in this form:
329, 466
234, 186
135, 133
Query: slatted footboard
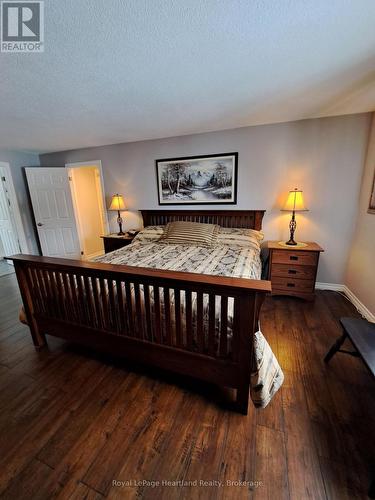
193, 324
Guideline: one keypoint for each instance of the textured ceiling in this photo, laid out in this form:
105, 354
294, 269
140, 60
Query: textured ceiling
117, 71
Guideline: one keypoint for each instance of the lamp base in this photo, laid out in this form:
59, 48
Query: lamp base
291, 242
296, 245
119, 222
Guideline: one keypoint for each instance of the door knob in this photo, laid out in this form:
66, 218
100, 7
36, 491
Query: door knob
39, 224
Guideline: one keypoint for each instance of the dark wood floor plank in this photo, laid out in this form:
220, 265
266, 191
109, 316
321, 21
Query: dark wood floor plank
338, 449
297, 419
81, 492
68, 434
319, 399
109, 462
148, 445
90, 420
272, 416
88, 446
238, 457
207, 454
271, 465
12, 384
27, 403
33, 436
304, 475
27, 483
24, 416
18, 334
336, 485
179, 447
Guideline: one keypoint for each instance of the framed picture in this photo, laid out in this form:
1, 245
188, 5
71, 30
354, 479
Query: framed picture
371, 207
198, 180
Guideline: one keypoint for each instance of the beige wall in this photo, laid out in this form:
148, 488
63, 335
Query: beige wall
87, 208
324, 157
360, 277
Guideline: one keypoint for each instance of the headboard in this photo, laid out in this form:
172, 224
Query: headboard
251, 219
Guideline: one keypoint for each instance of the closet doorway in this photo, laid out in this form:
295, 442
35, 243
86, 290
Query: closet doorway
86, 183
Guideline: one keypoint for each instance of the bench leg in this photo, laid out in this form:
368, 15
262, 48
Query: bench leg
336, 346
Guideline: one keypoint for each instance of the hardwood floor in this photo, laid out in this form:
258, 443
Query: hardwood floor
78, 425
5, 268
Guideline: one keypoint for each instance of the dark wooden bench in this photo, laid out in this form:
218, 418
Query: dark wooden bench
362, 335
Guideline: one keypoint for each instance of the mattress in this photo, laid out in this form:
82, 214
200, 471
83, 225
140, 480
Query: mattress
221, 260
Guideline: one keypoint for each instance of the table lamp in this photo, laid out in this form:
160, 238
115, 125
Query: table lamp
294, 203
118, 204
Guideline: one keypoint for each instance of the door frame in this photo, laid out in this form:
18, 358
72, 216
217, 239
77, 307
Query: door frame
17, 219
98, 165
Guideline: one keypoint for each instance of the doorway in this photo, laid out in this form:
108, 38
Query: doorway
9, 239
89, 206
69, 209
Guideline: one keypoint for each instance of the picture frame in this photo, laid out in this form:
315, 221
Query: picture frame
198, 180
371, 207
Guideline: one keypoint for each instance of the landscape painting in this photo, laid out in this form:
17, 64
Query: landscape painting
198, 180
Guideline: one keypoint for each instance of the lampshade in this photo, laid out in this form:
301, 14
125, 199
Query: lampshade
295, 202
117, 203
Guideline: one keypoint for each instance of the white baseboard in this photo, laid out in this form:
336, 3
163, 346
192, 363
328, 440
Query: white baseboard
359, 305
336, 287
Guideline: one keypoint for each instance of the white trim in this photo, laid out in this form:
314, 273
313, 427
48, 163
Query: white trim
73, 194
359, 305
98, 164
336, 287
20, 230
361, 308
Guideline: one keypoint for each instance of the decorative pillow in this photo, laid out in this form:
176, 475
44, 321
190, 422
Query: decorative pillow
190, 233
239, 236
150, 234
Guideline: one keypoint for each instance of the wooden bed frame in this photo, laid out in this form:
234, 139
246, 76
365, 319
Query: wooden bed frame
93, 304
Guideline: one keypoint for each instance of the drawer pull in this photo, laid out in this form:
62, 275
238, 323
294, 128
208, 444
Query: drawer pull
291, 285
292, 271
293, 257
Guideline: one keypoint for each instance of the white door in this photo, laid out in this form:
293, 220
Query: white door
53, 211
8, 236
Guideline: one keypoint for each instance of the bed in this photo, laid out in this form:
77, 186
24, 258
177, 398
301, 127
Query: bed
200, 325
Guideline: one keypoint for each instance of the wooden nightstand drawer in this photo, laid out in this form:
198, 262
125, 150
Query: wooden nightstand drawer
292, 285
297, 258
291, 271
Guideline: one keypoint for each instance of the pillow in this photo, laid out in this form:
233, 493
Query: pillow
190, 233
239, 236
150, 234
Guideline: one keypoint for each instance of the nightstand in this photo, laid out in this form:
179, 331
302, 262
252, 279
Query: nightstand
113, 241
292, 270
